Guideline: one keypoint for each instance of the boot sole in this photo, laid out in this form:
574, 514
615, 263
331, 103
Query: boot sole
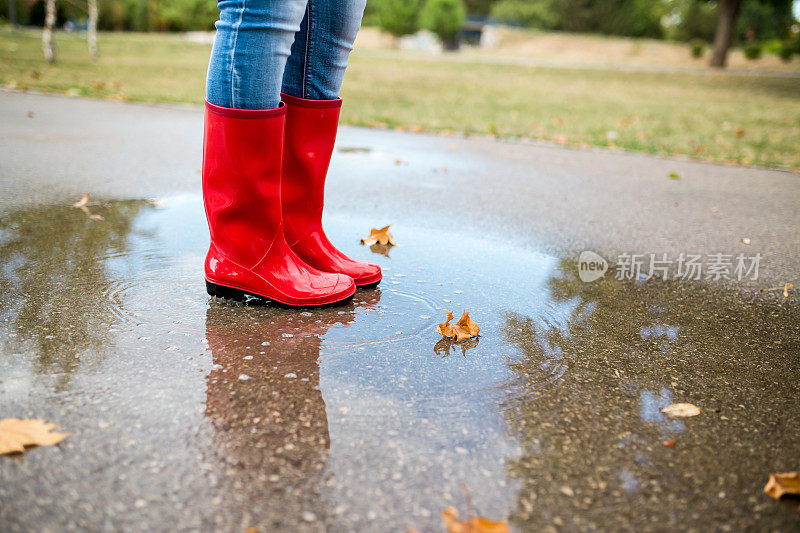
238, 295
369, 285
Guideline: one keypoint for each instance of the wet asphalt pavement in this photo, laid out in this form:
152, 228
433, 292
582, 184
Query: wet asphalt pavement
190, 413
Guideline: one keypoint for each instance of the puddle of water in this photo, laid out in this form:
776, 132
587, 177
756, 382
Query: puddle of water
193, 411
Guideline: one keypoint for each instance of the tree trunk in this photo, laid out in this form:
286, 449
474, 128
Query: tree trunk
12, 13
91, 29
48, 41
728, 12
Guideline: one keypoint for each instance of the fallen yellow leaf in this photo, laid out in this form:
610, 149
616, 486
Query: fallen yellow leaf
477, 524
15, 434
681, 410
463, 329
786, 289
379, 236
785, 484
82, 202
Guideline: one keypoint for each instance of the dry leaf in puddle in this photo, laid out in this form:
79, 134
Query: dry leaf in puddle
461, 330
82, 202
477, 524
15, 434
379, 236
681, 410
783, 484
786, 289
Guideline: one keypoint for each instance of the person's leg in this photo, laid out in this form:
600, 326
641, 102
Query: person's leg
242, 162
253, 42
321, 47
311, 85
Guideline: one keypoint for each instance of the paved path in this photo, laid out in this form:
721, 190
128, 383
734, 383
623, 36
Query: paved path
548, 198
188, 413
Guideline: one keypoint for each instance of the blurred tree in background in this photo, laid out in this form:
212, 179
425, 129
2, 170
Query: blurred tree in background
398, 17
766, 21
445, 18
540, 14
633, 18
750, 17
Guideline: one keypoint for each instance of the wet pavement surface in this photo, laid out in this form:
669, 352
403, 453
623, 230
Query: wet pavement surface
193, 413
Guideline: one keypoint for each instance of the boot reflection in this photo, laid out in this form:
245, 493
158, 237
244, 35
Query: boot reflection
264, 403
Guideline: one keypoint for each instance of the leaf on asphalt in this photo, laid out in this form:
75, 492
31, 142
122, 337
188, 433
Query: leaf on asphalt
82, 202
786, 289
674, 176
681, 410
476, 524
745, 240
15, 434
379, 236
784, 484
461, 330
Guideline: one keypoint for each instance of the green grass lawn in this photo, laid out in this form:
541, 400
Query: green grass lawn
749, 120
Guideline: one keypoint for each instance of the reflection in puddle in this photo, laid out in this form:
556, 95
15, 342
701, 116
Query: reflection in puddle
446, 344
221, 417
56, 254
381, 249
265, 404
596, 428
650, 410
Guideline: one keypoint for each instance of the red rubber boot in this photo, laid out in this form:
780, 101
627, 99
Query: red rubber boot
310, 134
242, 152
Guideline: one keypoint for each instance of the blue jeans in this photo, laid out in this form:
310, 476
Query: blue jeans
264, 47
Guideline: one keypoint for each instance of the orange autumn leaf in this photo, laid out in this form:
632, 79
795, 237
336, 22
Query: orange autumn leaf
477, 524
785, 484
379, 236
681, 410
82, 202
16, 434
461, 330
